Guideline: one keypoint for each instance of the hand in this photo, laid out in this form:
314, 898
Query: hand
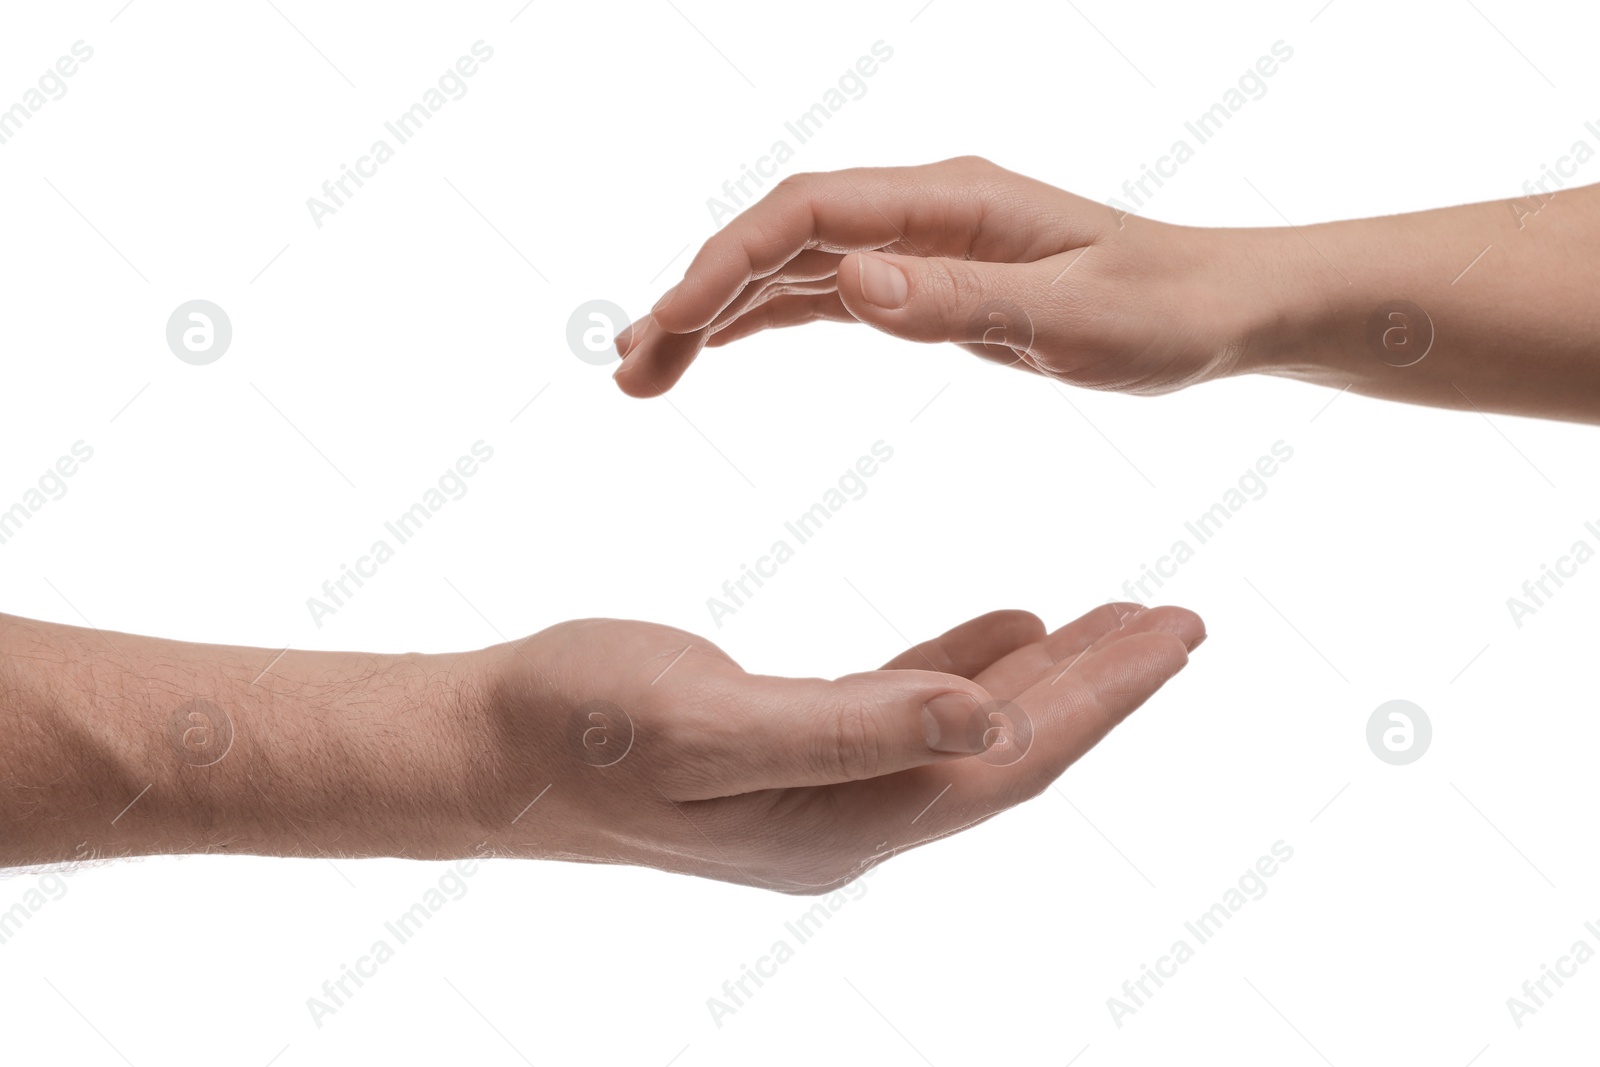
1015, 270
646, 745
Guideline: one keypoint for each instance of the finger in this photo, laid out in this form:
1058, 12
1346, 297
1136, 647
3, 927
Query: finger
777, 312
1061, 650
769, 293
753, 298
810, 271
842, 211
1008, 676
806, 272
774, 733
1066, 720
782, 312
658, 360
669, 356
975, 644
1073, 712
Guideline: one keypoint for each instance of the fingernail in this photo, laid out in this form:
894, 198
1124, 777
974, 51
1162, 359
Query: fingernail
950, 723
1198, 642
624, 341
882, 283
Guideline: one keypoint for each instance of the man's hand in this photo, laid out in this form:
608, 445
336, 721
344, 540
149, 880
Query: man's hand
647, 745
597, 740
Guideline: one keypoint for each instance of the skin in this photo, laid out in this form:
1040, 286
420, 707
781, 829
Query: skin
1025, 274
597, 740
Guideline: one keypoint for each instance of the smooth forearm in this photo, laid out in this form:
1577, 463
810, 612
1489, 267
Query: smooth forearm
113, 745
1509, 318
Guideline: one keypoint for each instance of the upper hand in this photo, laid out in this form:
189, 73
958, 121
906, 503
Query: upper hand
1014, 270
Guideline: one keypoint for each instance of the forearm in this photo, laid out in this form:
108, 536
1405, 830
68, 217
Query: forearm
114, 745
1509, 291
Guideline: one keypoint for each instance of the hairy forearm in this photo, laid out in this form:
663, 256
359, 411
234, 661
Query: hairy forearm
1508, 321
116, 745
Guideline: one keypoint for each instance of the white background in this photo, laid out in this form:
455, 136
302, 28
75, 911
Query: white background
428, 312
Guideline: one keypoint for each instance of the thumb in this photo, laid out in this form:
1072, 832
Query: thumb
933, 299
807, 731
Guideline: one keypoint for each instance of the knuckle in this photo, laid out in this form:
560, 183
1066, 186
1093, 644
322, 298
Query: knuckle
799, 182
958, 287
686, 740
678, 727
858, 742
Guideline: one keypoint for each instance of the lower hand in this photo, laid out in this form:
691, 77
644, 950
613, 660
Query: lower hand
649, 746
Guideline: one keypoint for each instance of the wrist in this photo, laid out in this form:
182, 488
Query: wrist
543, 728
1279, 304
1240, 308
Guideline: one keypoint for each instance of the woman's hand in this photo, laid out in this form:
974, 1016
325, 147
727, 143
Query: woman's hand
1481, 307
1011, 268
